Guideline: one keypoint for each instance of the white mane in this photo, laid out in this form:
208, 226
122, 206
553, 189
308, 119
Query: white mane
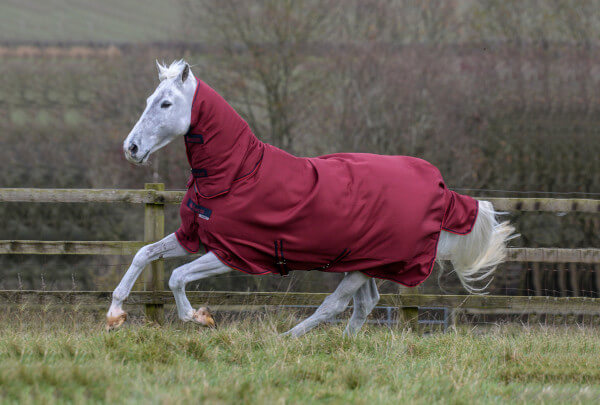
173, 70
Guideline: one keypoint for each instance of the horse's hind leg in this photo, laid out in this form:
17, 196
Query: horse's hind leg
365, 300
333, 304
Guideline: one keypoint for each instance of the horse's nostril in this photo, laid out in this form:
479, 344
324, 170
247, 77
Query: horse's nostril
133, 148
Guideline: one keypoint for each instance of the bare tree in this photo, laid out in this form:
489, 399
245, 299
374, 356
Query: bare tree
264, 53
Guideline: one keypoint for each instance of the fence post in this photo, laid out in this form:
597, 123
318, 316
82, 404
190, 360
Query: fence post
454, 315
410, 315
154, 230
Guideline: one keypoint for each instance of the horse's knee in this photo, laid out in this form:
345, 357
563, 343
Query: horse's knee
176, 279
141, 258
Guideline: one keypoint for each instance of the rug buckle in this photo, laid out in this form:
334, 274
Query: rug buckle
282, 267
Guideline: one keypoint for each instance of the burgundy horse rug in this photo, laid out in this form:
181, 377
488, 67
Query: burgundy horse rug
261, 210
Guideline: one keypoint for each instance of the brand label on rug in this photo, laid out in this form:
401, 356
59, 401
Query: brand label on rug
202, 212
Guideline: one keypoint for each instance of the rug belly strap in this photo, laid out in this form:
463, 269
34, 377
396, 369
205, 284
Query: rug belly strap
281, 263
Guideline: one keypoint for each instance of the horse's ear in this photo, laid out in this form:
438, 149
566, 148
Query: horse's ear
160, 69
185, 73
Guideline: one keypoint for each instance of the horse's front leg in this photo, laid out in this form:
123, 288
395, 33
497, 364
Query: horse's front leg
167, 247
333, 304
203, 267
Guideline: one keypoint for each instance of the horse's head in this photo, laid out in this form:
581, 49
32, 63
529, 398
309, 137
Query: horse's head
167, 114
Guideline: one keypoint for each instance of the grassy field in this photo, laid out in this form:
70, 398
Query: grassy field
87, 20
246, 362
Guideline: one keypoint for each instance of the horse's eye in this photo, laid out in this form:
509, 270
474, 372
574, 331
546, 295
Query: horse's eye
165, 104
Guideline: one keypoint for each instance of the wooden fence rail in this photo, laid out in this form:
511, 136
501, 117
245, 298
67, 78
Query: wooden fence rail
35, 247
517, 303
154, 198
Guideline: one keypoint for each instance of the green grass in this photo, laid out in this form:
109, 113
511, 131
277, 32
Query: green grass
74, 360
87, 20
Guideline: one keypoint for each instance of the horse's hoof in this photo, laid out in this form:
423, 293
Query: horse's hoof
203, 317
114, 322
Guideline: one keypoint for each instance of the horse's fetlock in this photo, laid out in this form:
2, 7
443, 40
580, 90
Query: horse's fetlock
120, 294
187, 317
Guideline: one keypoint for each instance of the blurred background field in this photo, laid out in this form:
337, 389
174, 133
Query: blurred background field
502, 96
69, 21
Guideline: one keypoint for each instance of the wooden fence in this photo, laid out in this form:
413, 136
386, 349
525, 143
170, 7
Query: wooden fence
154, 197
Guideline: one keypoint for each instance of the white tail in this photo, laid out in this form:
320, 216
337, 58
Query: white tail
475, 256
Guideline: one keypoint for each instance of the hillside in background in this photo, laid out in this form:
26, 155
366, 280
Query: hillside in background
76, 21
